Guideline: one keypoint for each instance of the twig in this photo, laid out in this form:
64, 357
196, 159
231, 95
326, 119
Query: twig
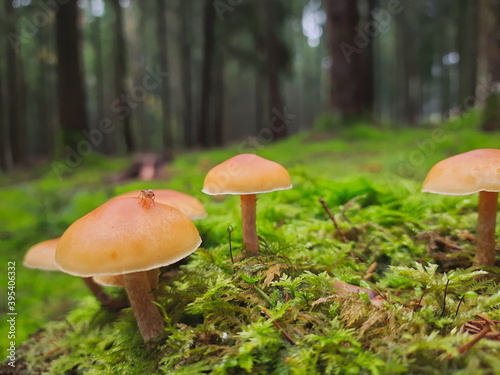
458, 307
419, 303
229, 231
279, 327
486, 319
444, 298
332, 218
370, 271
478, 337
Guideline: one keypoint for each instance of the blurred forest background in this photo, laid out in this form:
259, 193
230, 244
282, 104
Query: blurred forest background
162, 75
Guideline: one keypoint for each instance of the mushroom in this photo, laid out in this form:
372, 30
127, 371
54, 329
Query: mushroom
122, 237
185, 203
42, 256
247, 175
469, 173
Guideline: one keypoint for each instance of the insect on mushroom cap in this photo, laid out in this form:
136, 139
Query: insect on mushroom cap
246, 174
466, 173
121, 237
185, 203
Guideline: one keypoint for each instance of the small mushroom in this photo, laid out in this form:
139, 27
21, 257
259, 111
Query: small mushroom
185, 203
247, 175
468, 173
122, 237
42, 256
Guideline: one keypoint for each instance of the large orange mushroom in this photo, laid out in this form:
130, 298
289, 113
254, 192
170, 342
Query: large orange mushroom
476, 171
122, 237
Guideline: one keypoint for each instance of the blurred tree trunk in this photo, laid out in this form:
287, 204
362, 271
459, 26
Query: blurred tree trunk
467, 40
125, 110
204, 138
219, 100
72, 112
17, 132
107, 144
272, 69
442, 49
185, 54
407, 23
346, 97
44, 134
491, 111
164, 87
367, 62
5, 152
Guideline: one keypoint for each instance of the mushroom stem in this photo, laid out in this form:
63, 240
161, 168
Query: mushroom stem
153, 278
487, 213
248, 219
107, 300
149, 320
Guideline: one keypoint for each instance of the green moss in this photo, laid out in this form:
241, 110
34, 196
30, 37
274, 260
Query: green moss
277, 313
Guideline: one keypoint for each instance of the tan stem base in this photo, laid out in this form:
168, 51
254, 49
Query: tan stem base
146, 313
248, 220
487, 213
107, 301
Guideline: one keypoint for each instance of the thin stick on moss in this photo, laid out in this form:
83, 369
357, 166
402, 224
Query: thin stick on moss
279, 327
479, 336
332, 218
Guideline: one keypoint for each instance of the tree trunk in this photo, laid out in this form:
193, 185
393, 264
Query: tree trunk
164, 87
72, 112
125, 112
206, 74
185, 52
491, 112
17, 132
345, 72
467, 37
219, 101
106, 145
368, 92
279, 127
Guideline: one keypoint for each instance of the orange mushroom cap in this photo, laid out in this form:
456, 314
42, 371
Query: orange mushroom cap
185, 203
121, 237
41, 256
246, 174
467, 173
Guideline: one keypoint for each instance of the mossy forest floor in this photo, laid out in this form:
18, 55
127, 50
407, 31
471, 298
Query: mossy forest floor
277, 313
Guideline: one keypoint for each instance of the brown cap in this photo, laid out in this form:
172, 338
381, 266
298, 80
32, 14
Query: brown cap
467, 173
185, 203
41, 256
121, 237
246, 174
